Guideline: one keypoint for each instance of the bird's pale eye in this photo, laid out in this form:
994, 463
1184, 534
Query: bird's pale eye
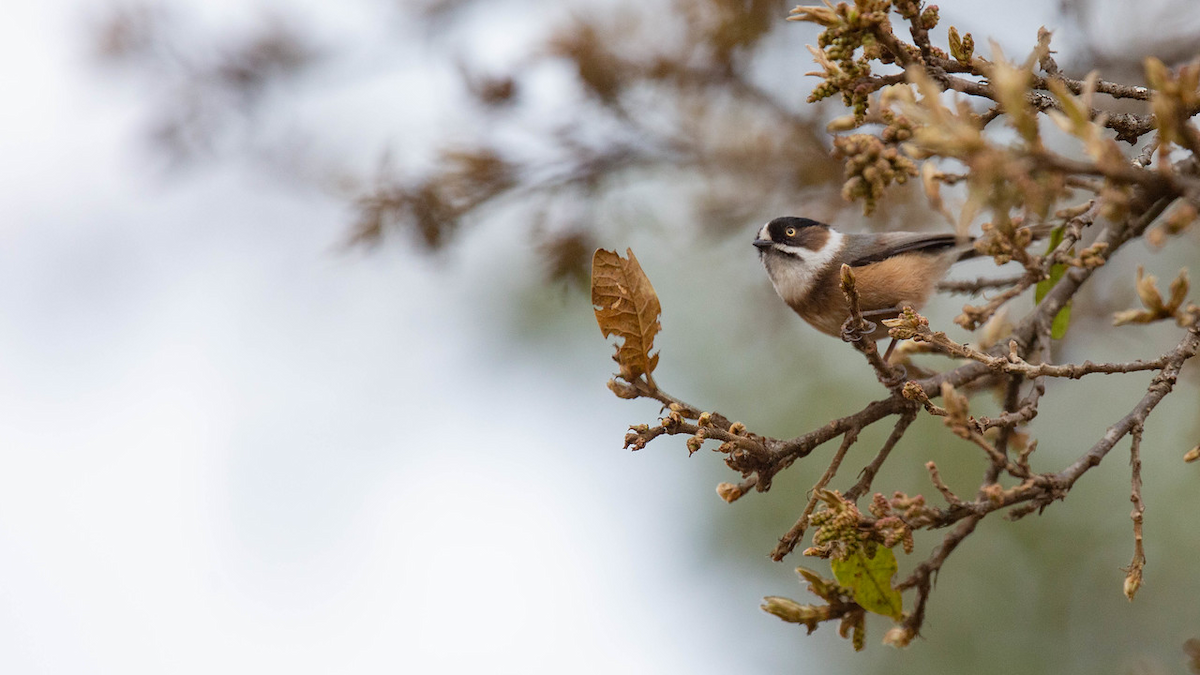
791, 232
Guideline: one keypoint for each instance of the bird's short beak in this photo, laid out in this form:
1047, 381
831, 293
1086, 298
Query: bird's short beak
763, 243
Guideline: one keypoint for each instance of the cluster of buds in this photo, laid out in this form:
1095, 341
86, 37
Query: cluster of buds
842, 531
1005, 242
937, 128
847, 29
838, 534
908, 325
672, 421
871, 166
891, 526
913, 510
703, 423
961, 48
841, 78
638, 436
899, 128
1092, 256
910, 10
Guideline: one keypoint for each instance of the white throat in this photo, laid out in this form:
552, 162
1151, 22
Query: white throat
794, 269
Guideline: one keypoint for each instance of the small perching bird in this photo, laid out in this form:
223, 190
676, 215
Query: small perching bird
892, 270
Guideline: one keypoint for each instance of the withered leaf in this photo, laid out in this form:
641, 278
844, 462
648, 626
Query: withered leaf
626, 306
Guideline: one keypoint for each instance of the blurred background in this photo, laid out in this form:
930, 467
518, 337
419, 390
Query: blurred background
298, 372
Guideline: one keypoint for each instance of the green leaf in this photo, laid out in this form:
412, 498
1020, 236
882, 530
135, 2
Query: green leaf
1058, 329
870, 580
1063, 319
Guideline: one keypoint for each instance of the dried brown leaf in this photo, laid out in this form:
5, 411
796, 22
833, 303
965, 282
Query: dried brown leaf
626, 306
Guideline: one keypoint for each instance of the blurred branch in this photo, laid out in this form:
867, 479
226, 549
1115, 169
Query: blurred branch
205, 87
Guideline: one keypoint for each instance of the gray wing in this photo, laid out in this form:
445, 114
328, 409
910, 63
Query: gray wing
866, 249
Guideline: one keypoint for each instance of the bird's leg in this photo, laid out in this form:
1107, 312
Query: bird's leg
887, 354
899, 372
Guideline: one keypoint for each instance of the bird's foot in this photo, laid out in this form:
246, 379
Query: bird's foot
897, 378
852, 333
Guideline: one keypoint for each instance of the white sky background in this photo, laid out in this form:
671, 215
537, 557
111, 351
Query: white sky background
228, 446
223, 445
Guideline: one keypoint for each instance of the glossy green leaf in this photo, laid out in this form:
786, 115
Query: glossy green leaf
870, 580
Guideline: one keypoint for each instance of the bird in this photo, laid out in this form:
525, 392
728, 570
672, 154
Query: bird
892, 270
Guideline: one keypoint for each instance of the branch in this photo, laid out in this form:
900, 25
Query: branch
1014, 413
783, 453
1160, 386
1129, 126
1133, 578
1113, 89
869, 471
976, 286
921, 577
1015, 365
788, 541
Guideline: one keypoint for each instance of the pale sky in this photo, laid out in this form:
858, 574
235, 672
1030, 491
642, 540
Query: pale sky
224, 442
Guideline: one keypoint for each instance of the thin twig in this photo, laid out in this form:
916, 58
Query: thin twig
1146, 155
1012, 394
783, 453
1160, 386
1133, 578
921, 577
788, 541
948, 494
976, 286
869, 471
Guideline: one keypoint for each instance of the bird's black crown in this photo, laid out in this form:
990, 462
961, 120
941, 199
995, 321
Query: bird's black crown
803, 231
